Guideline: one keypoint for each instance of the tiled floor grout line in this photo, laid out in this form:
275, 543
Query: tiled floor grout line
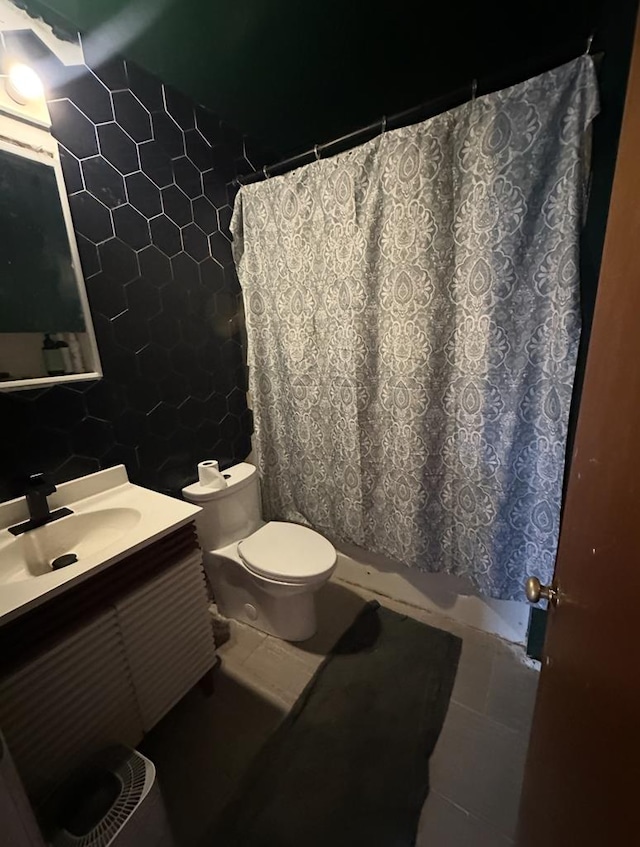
486, 717
257, 686
485, 705
474, 816
257, 647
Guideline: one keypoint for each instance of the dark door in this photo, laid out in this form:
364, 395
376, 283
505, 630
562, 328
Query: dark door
582, 780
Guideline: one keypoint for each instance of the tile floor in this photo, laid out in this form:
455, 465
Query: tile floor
204, 745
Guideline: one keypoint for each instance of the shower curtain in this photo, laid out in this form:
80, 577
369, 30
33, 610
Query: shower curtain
412, 311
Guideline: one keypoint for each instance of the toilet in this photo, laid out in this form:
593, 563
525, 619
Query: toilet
263, 574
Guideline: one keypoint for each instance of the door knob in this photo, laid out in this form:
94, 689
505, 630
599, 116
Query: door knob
536, 591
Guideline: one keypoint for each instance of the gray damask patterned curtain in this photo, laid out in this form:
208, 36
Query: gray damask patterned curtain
412, 313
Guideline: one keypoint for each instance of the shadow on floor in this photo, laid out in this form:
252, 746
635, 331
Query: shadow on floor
336, 607
204, 745
202, 748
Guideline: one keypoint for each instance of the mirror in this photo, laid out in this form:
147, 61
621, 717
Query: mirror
46, 335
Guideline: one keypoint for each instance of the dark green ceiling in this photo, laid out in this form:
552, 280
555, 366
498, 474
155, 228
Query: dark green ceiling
293, 73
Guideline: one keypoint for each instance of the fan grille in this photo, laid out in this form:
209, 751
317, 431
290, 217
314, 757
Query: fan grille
134, 776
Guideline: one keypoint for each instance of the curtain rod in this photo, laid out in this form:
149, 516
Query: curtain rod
421, 112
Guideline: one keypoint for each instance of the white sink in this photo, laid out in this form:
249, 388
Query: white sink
30, 555
111, 519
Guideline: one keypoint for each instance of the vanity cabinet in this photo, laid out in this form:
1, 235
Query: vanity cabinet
167, 636
104, 661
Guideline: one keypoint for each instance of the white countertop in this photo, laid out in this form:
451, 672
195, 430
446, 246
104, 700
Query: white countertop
112, 518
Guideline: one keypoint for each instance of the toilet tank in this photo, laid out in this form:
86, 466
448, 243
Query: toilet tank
229, 514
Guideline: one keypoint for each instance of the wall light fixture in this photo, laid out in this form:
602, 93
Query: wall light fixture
23, 84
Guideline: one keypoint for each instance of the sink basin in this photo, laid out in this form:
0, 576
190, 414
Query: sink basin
30, 554
111, 519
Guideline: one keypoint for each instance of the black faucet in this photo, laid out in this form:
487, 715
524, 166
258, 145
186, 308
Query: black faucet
39, 488
36, 495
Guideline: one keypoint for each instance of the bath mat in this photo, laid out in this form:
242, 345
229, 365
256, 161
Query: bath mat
349, 766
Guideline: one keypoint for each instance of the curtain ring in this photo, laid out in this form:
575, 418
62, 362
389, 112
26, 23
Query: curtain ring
317, 152
474, 89
383, 125
267, 175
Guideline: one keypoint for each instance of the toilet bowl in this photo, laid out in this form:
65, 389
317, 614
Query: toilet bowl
263, 574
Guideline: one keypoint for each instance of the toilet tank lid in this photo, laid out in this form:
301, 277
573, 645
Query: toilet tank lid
237, 477
287, 552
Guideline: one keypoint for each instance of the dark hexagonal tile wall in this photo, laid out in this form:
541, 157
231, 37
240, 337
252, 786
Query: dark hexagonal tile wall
129, 331
180, 108
109, 70
132, 116
143, 395
165, 235
197, 149
70, 170
155, 266
92, 437
118, 148
183, 358
91, 96
103, 181
224, 218
143, 194
143, 299
76, 466
187, 176
212, 275
63, 411
168, 134
90, 217
172, 388
148, 202
118, 260
73, 129
185, 271
165, 330
204, 214
104, 399
176, 298
209, 125
131, 227
155, 161
220, 247
146, 87
130, 426
195, 242
194, 330
215, 189
200, 382
163, 419
89, 259
176, 205
152, 361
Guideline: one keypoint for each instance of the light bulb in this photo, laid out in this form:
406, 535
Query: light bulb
24, 84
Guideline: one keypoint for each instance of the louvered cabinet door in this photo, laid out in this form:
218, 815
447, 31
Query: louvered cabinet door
167, 635
68, 702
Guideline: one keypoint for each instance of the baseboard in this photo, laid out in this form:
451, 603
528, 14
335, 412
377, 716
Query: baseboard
438, 593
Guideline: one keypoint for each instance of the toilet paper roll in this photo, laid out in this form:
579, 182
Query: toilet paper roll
209, 474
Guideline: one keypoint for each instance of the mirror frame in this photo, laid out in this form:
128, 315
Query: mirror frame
31, 138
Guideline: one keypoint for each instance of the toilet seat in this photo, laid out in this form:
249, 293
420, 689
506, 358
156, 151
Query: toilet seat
288, 553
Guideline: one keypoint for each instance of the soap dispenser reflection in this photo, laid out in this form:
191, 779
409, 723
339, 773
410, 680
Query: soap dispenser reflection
53, 357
